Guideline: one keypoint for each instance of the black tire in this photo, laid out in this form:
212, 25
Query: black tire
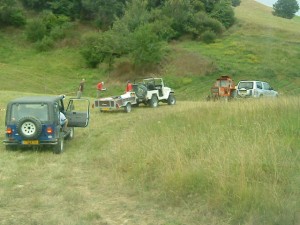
70, 135
141, 91
10, 147
59, 147
127, 107
29, 127
171, 100
153, 102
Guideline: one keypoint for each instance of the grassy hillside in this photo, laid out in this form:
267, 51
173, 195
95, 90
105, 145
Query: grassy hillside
194, 163
259, 46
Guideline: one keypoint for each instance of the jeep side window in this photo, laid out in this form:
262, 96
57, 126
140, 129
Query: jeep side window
266, 86
259, 85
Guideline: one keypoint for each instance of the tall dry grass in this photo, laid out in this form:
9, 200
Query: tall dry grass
239, 159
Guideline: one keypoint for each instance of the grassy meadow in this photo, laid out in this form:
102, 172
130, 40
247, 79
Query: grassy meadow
194, 163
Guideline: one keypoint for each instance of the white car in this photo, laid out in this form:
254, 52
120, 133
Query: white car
255, 89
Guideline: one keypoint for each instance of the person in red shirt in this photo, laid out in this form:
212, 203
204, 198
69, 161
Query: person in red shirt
100, 88
128, 86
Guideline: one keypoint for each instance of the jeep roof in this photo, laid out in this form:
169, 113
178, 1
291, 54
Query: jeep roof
37, 99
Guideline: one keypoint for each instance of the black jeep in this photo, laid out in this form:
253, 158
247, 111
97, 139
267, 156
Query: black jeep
35, 121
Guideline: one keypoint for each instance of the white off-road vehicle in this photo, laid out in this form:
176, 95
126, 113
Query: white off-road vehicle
255, 89
151, 91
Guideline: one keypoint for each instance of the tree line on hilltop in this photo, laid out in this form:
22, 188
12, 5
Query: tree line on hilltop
139, 29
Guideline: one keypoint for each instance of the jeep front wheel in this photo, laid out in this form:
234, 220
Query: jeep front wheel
153, 102
171, 99
29, 127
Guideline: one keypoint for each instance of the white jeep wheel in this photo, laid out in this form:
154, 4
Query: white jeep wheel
171, 99
153, 102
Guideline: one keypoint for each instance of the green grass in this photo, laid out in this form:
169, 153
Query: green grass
193, 163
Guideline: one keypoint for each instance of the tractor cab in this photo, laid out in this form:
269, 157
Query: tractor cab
223, 88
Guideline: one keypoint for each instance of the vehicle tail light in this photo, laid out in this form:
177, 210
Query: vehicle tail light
49, 130
9, 130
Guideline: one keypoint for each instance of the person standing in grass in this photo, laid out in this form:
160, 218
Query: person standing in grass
100, 88
80, 88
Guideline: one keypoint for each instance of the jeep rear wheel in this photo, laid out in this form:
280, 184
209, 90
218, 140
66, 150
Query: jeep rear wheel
153, 102
29, 127
171, 99
70, 135
59, 147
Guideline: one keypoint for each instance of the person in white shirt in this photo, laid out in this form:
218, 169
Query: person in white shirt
63, 121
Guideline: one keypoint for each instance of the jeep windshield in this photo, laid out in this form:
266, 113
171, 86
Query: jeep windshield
39, 111
246, 85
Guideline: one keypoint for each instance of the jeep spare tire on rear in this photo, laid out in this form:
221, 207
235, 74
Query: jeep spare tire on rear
140, 91
29, 127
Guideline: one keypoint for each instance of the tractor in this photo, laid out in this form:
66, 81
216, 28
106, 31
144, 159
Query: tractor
223, 89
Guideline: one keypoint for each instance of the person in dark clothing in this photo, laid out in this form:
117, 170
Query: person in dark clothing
80, 88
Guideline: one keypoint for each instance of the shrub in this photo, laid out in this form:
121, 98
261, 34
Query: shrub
16, 18
90, 51
202, 22
45, 44
10, 15
36, 30
57, 33
208, 37
146, 47
224, 13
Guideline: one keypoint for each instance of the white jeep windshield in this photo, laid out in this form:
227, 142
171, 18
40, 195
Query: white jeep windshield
39, 111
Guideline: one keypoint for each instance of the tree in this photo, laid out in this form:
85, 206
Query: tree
236, 3
285, 8
103, 12
10, 14
224, 13
146, 47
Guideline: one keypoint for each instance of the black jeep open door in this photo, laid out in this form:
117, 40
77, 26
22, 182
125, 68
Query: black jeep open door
78, 112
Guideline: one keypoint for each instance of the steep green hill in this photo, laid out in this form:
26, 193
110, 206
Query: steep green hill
259, 46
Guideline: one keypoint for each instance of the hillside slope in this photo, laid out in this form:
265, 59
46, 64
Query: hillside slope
259, 46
